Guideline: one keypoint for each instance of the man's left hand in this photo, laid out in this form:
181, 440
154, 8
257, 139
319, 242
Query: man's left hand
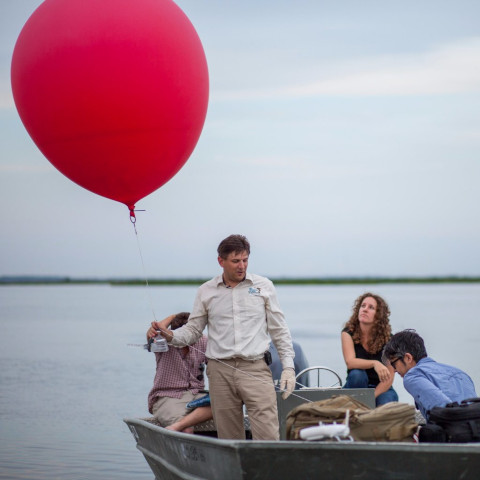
287, 382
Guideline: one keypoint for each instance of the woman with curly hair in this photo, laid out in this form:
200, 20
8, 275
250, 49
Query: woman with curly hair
363, 339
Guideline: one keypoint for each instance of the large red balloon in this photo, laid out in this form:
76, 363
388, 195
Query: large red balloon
113, 92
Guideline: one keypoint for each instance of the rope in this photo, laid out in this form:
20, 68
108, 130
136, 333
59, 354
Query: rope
248, 374
147, 286
133, 220
147, 290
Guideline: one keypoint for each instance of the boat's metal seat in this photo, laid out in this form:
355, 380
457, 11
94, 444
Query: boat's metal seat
208, 426
324, 378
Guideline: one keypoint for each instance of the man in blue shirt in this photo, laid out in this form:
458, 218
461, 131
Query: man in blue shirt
431, 384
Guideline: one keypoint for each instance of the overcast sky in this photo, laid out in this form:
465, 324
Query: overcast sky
342, 138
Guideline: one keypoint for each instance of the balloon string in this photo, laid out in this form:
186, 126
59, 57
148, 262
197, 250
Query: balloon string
143, 264
277, 387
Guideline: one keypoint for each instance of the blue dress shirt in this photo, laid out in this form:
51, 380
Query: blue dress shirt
433, 384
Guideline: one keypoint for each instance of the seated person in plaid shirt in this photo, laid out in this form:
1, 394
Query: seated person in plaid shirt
178, 380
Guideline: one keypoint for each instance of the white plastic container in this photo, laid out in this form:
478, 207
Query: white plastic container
159, 345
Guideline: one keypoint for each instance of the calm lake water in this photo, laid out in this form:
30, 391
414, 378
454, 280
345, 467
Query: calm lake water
68, 378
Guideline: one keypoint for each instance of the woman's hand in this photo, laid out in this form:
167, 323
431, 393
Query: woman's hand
382, 371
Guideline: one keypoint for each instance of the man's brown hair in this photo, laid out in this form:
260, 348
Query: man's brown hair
235, 244
179, 320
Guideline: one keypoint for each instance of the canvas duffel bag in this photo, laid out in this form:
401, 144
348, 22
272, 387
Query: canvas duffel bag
330, 410
393, 421
454, 423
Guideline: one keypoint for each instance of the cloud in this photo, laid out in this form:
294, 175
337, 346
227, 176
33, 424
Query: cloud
449, 69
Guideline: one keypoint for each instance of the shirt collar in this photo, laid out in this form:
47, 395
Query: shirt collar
219, 279
424, 360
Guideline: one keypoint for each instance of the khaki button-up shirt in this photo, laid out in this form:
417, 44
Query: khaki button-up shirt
239, 321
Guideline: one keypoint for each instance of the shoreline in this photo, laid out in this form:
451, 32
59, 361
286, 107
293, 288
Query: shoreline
57, 280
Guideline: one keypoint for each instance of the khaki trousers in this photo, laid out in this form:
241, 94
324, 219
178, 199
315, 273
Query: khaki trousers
235, 382
168, 410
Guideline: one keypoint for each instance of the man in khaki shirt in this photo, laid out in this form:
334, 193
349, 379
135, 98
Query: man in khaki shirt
242, 313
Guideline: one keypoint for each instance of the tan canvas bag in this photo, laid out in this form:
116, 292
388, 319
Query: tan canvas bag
394, 422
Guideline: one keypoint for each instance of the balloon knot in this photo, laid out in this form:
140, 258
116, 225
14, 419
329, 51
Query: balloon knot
133, 219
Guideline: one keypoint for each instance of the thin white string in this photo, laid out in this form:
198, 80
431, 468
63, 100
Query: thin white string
247, 373
147, 290
149, 297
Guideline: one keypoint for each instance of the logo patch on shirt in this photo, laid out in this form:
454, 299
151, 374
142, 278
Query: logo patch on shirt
254, 291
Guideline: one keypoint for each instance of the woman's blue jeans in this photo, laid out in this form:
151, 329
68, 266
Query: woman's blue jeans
359, 379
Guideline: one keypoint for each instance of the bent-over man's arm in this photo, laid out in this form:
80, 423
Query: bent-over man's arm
424, 392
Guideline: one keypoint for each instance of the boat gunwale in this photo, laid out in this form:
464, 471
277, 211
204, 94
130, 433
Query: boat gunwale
305, 445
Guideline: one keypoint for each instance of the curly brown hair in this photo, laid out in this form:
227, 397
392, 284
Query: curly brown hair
381, 330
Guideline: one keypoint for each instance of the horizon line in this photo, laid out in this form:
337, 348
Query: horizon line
197, 280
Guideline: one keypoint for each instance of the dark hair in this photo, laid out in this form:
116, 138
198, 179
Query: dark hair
235, 244
381, 330
406, 341
179, 320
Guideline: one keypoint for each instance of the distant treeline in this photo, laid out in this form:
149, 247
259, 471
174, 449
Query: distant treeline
53, 280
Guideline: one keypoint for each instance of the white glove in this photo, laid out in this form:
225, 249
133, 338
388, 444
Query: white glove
287, 382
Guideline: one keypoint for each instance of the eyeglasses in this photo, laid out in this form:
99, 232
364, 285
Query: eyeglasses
394, 362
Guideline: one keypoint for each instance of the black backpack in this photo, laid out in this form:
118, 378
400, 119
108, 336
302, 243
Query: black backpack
454, 423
